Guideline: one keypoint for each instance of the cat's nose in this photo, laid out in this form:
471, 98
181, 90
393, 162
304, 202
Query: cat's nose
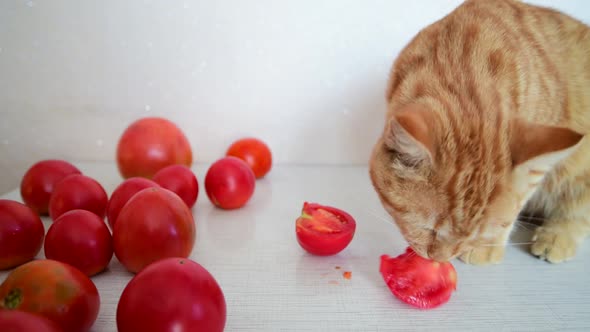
421, 251
439, 257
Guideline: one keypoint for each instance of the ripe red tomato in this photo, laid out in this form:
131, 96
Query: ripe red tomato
324, 230
229, 183
153, 225
39, 180
22, 321
78, 192
80, 238
181, 180
418, 281
123, 193
150, 144
254, 152
21, 234
54, 290
173, 294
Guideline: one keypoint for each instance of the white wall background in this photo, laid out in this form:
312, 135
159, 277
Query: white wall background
306, 76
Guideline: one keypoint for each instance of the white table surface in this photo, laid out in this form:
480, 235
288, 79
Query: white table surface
271, 284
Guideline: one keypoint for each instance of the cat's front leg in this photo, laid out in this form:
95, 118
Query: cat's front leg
484, 255
565, 199
488, 253
558, 239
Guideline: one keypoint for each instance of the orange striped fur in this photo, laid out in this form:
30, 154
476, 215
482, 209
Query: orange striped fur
488, 109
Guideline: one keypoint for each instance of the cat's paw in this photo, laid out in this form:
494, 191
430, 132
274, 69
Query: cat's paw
554, 244
484, 255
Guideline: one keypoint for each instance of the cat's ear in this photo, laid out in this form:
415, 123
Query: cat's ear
409, 132
529, 141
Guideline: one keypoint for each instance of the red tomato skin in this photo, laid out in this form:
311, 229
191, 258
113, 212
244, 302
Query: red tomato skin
54, 290
322, 244
80, 238
78, 192
150, 144
123, 193
154, 224
173, 294
22, 321
254, 152
38, 182
416, 281
180, 180
21, 234
230, 183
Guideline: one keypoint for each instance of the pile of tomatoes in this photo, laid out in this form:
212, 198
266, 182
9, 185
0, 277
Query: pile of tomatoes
149, 228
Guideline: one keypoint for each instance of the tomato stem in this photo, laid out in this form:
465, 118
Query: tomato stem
13, 299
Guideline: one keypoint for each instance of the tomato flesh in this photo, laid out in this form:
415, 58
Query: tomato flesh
324, 230
418, 281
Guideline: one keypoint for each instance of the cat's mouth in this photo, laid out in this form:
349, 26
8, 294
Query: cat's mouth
435, 251
420, 249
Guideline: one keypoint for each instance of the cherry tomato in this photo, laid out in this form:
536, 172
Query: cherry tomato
173, 294
153, 225
254, 152
418, 281
181, 180
39, 180
229, 183
78, 192
22, 321
21, 234
150, 144
123, 193
324, 230
80, 238
54, 290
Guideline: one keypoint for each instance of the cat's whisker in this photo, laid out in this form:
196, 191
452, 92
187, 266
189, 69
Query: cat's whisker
522, 222
380, 217
380, 214
523, 226
507, 244
390, 221
525, 218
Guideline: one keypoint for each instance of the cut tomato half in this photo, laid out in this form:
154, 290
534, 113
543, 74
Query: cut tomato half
324, 230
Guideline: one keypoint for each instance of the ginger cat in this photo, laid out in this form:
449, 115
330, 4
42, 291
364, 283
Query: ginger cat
488, 109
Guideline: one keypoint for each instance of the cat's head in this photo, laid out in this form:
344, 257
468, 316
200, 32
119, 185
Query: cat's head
455, 183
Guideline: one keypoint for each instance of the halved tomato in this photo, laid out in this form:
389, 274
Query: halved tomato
324, 230
418, 281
